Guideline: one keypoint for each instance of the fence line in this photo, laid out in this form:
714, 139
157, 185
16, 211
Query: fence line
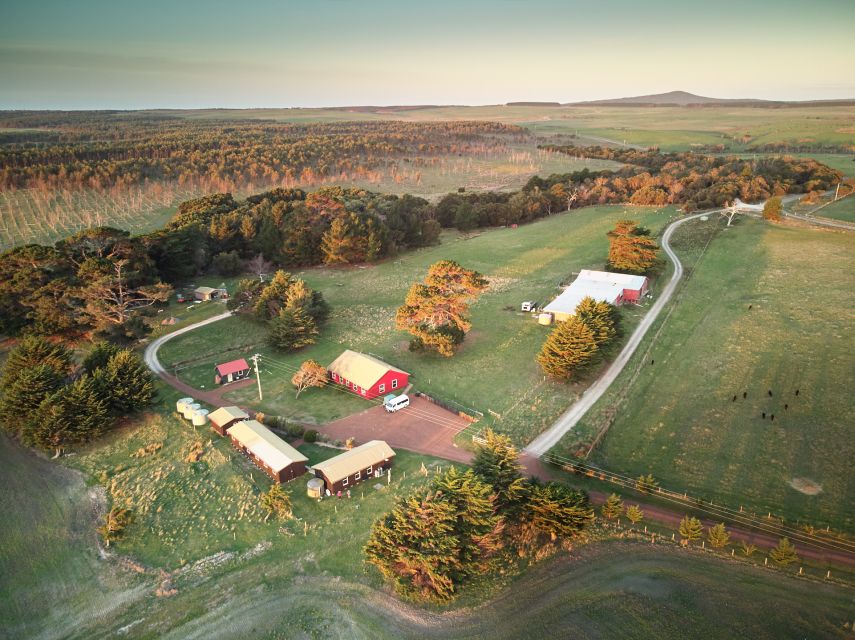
472, 415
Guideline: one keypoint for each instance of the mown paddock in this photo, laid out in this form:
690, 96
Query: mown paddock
495, 369
679, 421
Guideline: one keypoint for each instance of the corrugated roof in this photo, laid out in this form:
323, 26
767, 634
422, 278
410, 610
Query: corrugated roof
265, 445
628, 281
362, 369
602, 286
224, 415
358, 458
204, 290
231, 367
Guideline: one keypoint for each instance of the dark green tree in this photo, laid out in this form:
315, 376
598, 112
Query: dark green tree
125, 383
73, 415
23, 395
552, 512
497, 463
99, 356
292, 329
227, 263
32, 352
570, 346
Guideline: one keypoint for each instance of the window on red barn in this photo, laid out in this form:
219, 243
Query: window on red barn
395, 383
382, 388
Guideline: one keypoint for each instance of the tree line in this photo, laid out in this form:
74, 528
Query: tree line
99, 150
693, 180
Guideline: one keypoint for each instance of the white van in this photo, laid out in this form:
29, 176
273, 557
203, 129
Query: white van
397, 403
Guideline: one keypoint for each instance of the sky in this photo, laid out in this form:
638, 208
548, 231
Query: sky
118, 54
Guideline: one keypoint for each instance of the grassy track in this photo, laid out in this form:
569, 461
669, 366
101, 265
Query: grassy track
495, 370
678, 419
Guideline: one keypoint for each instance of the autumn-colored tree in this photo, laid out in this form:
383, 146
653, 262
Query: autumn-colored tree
718, 536
772, 209
613, 507
747, 548
570, 346
342, 244
436, 312
646, 483
601, 318
691, 529
784, 553
631, 250
551, 513
310, 374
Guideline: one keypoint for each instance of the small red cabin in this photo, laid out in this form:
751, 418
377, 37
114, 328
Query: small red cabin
366, 375
231, 371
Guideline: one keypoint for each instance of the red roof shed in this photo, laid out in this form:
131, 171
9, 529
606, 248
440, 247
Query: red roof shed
231, 371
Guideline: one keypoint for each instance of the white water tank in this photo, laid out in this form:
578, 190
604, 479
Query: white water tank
181, 404
190, 409
200, 417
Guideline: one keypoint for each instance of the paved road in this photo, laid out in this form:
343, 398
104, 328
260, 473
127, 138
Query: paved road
549, 438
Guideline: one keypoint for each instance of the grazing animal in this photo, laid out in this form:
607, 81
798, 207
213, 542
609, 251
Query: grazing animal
772, 417
786, 406
797, 392
764, 415
652, 361
744, 395
734, 398
770, 393
749, 306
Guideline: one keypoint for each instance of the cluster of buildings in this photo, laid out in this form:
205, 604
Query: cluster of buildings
602, 286
283, 463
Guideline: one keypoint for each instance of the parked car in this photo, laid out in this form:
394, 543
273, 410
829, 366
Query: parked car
397, 403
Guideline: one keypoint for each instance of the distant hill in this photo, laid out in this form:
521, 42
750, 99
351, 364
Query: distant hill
686, 99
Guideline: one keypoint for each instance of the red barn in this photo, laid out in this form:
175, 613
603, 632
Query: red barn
231, 371
367, 376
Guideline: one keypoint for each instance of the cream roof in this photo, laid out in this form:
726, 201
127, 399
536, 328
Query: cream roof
204, 289
602, 286
226, 414
359, 368
265, 445
358, 458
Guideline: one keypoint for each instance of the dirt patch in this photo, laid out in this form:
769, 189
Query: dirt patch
806, 486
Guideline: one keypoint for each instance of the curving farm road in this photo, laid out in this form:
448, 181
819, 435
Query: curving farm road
549, 438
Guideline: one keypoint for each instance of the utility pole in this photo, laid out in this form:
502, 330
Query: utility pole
837, 192
254, 359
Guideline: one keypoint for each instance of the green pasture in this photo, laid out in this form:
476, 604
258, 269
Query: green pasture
673, 407
843, 209
494, 370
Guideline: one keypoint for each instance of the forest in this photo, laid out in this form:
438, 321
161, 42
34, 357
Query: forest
100, 150
694, 180
101, 281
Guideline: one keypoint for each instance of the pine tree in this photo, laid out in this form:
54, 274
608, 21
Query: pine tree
718, 536
570, 346
784, 553
600, 317
691, 529
22, 397
646, 483
271, 297
98, 357
415, 547
478, 527
613, 507
551, 512
631, 250
125, 383
73, 415
634, 514
497, 463
748, 549
32, 352
276, 502
292, 329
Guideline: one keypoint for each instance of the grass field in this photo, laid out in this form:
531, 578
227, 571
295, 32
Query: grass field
313, 585
495, 369
677, 419
843, 209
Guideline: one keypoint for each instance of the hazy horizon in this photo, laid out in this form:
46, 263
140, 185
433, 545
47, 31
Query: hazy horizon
95, 54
